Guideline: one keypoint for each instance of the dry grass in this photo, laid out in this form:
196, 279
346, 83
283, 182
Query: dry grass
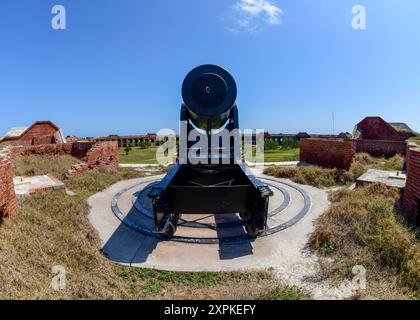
325, 177
35, 165
49, 230
362, 227
416, 139
53, 229
394, 163
315, 176
284, 293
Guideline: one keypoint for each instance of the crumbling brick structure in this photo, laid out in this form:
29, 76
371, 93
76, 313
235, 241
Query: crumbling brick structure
94, 155
41, 150
411, 200
80, 149
381, 148
103, 155
379, 138
76, 149
328, 153
8, 203
376, 128
41, 132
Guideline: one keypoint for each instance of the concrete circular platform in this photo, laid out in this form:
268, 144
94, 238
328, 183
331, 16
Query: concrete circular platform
123, 218
210, 229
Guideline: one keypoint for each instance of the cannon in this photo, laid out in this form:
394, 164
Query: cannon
209, 179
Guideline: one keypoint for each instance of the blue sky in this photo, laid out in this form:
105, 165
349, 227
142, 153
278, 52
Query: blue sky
119, 65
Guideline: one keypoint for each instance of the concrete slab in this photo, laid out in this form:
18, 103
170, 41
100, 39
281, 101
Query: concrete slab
395, 179
123, 245
35, 185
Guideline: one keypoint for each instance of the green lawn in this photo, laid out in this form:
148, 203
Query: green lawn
280, 155
137, 155
148, 156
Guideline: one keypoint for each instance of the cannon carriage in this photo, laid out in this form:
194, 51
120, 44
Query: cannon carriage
210, 178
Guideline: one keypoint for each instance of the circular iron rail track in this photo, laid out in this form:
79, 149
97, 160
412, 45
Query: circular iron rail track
141, 196
229, 239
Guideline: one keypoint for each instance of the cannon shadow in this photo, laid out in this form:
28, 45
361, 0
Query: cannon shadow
229, 251
128, 246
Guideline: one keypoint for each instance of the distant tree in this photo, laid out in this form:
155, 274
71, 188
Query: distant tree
270, 144
290, 144
144, 144
127, 149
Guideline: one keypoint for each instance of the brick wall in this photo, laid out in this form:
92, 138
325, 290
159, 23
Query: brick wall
80, 149
42, 150
328, 153
43, 140
77, 149
411, 200
39, 133
103, 155
375, 128
8, 202
381, 148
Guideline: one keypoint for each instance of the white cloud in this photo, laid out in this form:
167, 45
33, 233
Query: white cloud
250, 13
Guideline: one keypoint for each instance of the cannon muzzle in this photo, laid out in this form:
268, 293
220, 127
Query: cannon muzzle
209, 93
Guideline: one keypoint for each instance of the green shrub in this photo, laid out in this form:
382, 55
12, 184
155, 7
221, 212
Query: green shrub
270, 145
290, 144
127, 149
144, 144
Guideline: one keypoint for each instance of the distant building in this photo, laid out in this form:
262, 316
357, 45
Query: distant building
401, 126
41, 132
344, 135
302, 135
281, 137
134, 140
72, 138
376, 128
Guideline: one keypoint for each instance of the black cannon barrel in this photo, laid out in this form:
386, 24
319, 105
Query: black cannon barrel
209, 93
